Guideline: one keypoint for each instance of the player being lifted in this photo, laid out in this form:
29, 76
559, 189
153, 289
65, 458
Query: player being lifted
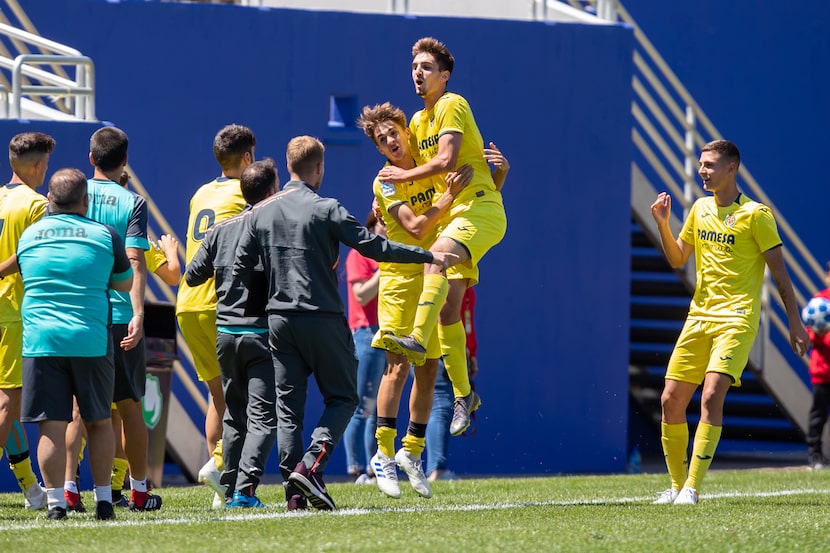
445, 136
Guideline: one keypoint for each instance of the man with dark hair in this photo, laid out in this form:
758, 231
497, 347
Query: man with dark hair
444, 136
213, 202
68, 263
733, 239
20, 207
296, 235
125, 211
248, 383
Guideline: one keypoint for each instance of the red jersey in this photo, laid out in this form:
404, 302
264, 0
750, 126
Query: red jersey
360, 268
820, 352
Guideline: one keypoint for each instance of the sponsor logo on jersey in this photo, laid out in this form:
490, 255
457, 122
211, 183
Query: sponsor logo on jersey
387, 189
422, 197
717, 237
60, 232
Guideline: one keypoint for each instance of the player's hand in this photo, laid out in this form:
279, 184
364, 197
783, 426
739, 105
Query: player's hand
661, 208
169, 245
494, 157
135, 331
377, 211
472, 367
444, 260
392, 174
458, 180
799, 339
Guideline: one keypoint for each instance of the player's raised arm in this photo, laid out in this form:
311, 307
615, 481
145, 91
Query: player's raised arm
676, 250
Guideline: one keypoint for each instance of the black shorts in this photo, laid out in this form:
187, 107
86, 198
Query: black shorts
130, 367
50, 382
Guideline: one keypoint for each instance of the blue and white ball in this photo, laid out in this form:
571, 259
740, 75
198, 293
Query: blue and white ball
816, 315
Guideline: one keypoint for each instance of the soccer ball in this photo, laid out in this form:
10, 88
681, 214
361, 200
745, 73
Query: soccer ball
816, 315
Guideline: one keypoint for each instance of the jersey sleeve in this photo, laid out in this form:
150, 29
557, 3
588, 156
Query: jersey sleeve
451, 115
359, 268
201, 268
137, 226
764, 228
154, 258
388, 194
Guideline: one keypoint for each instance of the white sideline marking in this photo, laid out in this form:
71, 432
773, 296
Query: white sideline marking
257, 514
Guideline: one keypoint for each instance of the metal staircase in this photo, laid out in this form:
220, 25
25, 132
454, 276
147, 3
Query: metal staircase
669, 128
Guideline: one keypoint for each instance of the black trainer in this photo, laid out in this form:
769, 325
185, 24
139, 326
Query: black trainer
151, 502
56, 513
311, 484
104, 511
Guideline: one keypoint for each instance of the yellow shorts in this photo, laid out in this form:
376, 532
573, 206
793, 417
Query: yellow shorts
479, 226
199, 332
397, 300
11, 355
705, 346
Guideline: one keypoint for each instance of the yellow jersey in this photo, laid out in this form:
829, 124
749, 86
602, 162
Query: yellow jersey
452, 113
214, 202
729, 247
418, 195
154, 258
20, 206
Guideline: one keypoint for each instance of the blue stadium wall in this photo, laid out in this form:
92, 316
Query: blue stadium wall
552, 311
759, 72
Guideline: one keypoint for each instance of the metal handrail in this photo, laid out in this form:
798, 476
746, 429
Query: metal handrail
670, 127
82, 87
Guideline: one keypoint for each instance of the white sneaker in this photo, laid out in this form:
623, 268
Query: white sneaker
35, 497
218, 502
209, 475
365, 479
414, 469
687, 496
666, 497
386, 472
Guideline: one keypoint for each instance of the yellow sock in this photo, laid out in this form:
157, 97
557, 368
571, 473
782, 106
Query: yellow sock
675, 439
706, 442
119, 473
218, 460
453, 340
23, 472
81, 452
430, 303
386, 440
413, 444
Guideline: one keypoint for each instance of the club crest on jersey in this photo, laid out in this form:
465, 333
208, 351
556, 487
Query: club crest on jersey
730, 220
387, 189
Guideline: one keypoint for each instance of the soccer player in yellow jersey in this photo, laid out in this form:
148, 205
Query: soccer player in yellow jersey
20, 206
732, 238
410, 215
212, 203
445, 136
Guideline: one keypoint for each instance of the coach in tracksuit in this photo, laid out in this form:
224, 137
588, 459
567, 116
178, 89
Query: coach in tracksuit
250, 420
296, 234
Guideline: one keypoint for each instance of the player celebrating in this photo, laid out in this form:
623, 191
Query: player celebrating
732, 238
212, 203
446, 136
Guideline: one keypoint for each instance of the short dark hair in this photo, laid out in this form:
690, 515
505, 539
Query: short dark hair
725, 149
258, 180
67, 188
439, 51
108, 147
26, 144
231, 143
